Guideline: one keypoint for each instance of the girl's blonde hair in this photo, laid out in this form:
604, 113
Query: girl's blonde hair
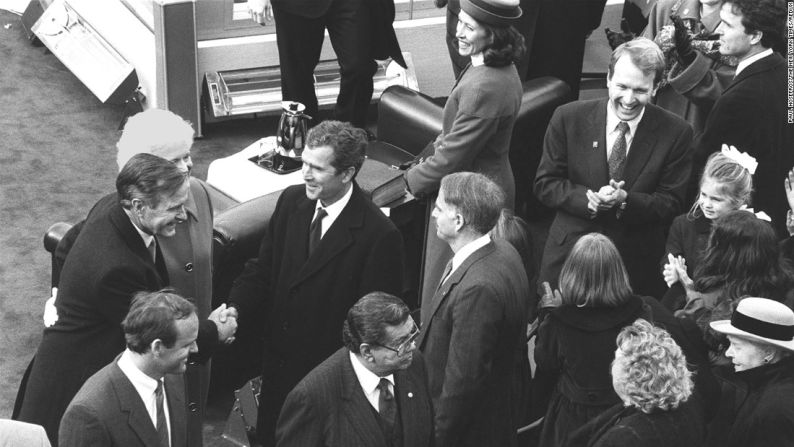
734, 180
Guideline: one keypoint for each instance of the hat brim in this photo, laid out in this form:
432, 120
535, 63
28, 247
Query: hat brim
725, 327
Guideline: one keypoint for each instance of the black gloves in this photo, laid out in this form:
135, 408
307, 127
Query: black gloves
682, 41
615, 38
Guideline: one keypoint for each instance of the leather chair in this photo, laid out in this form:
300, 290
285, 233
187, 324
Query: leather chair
411, 120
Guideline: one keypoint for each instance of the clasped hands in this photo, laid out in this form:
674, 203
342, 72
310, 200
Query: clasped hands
225, 319
606, 198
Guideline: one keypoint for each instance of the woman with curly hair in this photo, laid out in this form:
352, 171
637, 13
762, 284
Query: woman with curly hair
651, 378
576, 341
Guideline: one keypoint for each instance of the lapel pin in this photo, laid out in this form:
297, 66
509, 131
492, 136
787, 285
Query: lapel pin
595, 144
410, 395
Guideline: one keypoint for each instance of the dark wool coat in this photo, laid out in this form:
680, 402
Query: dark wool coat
305, 299
757, 408
574, 350
107, 265
622, 426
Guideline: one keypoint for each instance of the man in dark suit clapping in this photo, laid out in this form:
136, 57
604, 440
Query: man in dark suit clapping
617, 166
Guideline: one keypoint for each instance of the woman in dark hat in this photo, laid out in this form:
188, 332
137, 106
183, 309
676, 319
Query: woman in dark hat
759, 411
479, 115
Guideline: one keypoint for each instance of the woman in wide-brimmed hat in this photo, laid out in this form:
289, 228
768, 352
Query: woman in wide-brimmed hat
760, 410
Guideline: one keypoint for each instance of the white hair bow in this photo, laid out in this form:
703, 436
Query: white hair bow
744, 159
759, 215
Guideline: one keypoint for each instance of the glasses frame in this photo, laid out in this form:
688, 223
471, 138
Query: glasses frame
402, 349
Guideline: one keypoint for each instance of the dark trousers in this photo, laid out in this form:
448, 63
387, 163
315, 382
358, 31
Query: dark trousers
300, 41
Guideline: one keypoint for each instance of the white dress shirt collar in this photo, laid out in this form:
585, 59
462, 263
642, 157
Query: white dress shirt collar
333, 210
477, 59
369, 381
746, 63
145, 386
467, 250
146, 237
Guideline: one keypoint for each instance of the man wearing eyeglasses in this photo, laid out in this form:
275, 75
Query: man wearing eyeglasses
372, 392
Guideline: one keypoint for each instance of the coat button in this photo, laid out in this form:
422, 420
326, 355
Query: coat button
189, 267
193, 407
285, 326
591, 396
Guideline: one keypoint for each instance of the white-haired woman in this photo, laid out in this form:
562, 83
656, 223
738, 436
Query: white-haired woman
759, 411
651, 378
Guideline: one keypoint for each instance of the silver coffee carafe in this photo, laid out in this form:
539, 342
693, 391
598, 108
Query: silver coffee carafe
292, 128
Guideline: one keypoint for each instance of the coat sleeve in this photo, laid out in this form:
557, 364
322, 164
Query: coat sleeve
703, 81
299, 425
80, 427
552, 185
475, 122
665, 202
476, 320
547, 369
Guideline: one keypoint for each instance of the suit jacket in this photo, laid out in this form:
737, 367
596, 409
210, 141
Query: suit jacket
656, 174
474, 340
751, 115
306, 299
108, 411
106, 266
329, 408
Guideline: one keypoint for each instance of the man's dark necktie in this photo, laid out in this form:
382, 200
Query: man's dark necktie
162, 427
617, 159
387, 407
316, 230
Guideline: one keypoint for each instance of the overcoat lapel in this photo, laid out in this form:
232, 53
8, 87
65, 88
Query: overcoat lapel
130, 235
760, 66
338, 237
357, 409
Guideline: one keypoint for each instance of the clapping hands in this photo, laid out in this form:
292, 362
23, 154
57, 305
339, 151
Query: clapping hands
675, 271
549, 298
606, 198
